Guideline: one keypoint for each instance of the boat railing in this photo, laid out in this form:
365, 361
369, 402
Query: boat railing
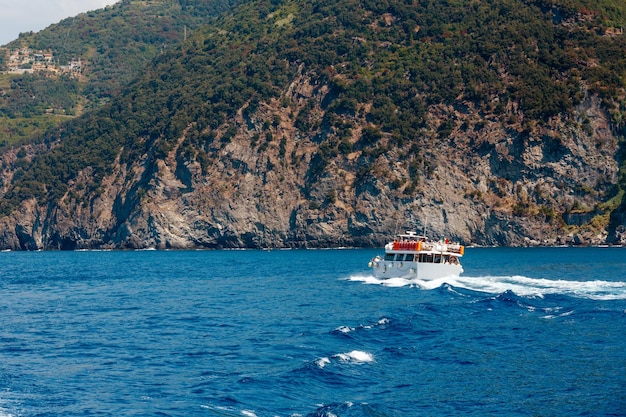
407, 245
418, 246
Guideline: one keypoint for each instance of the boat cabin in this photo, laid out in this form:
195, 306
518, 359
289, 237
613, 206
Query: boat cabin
411, 255
411, 247
422, 258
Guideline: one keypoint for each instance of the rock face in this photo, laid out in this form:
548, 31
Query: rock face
485, 182
340, 124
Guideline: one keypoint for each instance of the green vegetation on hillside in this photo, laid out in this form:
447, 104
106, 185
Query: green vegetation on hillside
114, 44
31, 95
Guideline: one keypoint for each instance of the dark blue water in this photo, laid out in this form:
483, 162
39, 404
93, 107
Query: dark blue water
524, 332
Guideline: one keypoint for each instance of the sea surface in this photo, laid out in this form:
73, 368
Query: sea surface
522, 332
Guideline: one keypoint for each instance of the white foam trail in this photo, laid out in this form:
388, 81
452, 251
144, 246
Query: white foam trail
539, 287
367, 279
520, 285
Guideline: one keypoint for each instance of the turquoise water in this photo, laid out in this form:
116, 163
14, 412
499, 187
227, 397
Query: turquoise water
523, 332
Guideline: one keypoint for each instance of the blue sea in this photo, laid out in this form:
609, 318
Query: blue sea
523, 332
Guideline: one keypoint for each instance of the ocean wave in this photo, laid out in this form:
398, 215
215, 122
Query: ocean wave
344, 329
227, 411
348, 329
354, 357
554, 316
5, 413
349, 409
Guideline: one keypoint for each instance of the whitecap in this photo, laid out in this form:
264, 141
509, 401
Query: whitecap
344, 329
322, 362
380, 322
347, 329
553, 316
227, 411
357, 356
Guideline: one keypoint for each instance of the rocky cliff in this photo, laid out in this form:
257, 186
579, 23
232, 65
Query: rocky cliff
300, 168
487, 184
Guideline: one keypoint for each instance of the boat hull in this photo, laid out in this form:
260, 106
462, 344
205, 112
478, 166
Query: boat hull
415, 270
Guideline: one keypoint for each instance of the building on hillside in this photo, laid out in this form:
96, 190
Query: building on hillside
26, 60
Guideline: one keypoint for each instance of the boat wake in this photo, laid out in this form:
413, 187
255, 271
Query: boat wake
520, 285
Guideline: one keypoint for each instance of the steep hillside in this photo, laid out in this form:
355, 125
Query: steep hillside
83, 61
336, 123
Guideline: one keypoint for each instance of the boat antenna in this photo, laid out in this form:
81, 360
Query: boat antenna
424, 223
395, 232
413, 223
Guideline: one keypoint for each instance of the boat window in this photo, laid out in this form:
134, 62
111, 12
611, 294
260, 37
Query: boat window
409, 257
400, 257
426, 257
389, 257
437, 259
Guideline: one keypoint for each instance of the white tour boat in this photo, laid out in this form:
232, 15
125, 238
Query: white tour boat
413, 256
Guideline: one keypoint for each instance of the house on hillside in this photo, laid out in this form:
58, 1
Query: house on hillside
26, 60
